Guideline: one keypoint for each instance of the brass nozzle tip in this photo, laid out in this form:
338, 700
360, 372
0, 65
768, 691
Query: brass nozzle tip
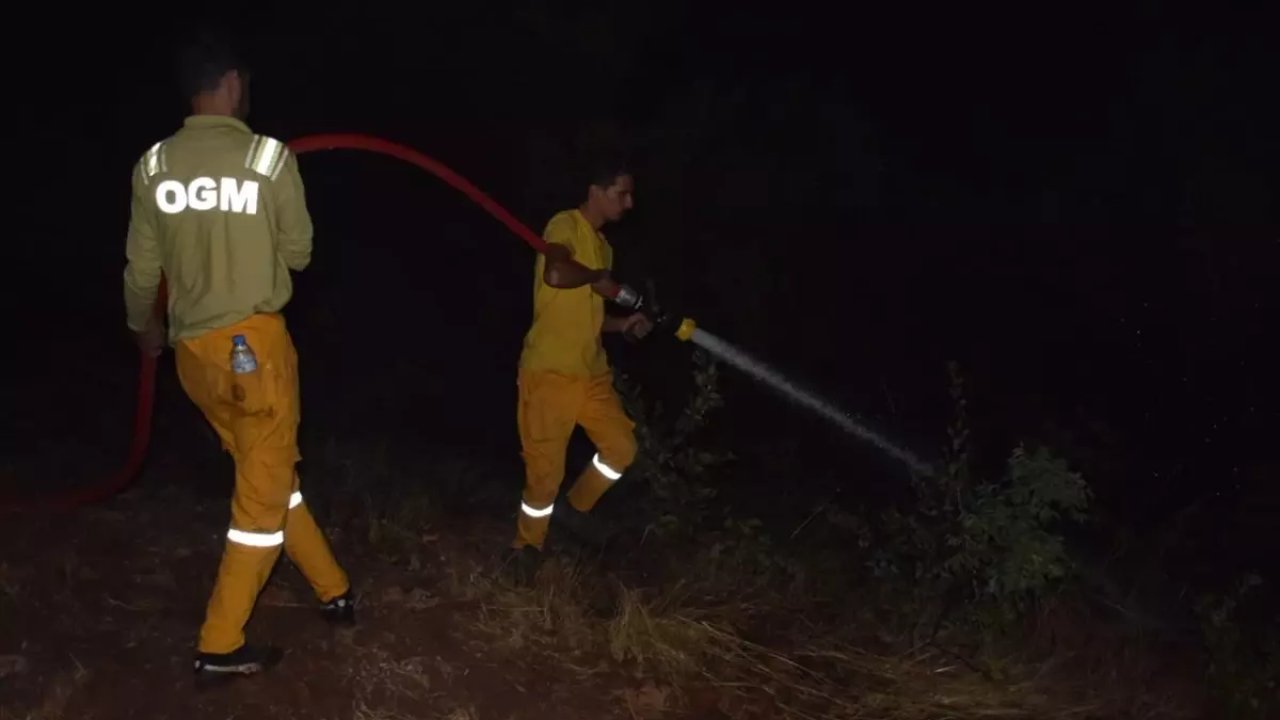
685, 331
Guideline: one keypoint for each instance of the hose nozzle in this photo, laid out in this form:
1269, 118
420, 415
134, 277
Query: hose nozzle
662, 319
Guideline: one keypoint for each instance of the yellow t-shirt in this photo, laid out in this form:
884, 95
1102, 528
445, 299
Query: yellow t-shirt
565, 335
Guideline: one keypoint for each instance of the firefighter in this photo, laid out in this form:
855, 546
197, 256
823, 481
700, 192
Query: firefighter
222, 213
564, 377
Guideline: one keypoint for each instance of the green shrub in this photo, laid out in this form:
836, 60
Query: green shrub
979, 550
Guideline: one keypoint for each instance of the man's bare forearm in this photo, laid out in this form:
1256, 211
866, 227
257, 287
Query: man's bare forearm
568, 274
565, 273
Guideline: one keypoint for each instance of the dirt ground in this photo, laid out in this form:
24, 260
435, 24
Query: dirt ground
99, 609
100, 606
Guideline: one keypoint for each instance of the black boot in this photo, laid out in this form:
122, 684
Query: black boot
584, 528
244, 660
521, 565
340, 611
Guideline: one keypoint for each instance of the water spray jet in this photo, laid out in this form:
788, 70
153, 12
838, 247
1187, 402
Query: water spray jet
686, 330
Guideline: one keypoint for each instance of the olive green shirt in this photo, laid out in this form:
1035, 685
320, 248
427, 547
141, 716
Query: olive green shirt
222, 213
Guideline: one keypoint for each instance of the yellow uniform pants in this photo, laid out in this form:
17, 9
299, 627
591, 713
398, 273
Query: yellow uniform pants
549, 408
256, 415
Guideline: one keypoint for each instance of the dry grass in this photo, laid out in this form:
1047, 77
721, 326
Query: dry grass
552, 616
379, 674
826, 680
692, 654
650, 636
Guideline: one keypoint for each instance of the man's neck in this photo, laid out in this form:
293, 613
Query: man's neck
209, 105
593, 217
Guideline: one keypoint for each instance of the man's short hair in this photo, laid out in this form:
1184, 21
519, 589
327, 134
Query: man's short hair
603, 168
204, 59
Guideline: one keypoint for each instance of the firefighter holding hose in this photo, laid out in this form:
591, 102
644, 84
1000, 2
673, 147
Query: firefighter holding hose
221, 212
564, 377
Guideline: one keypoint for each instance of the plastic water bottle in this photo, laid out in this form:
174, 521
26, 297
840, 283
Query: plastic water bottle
242, 358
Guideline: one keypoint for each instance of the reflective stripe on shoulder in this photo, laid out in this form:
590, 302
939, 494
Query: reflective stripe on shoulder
154, 162
266, 156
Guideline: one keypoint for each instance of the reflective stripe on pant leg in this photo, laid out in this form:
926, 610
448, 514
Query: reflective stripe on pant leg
535, 512
254, 541
261, 539
263, 419
247, 556
307, 548
546, 414
605, 470
304, 542
613, 432
531, 525
241, 575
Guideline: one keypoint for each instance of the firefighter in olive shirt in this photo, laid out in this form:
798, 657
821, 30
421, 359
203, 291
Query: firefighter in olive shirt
221, 213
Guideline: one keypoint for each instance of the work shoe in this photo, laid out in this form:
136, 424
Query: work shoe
244, 660
340, 611
582, 526
521, 565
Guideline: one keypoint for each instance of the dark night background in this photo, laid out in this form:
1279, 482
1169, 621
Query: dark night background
1079, 206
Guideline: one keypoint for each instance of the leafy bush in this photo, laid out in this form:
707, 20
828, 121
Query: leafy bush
985, 547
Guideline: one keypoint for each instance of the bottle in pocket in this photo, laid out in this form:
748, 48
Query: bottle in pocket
242, 358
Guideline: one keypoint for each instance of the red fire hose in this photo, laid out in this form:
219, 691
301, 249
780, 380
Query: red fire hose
147, 367
413, 157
